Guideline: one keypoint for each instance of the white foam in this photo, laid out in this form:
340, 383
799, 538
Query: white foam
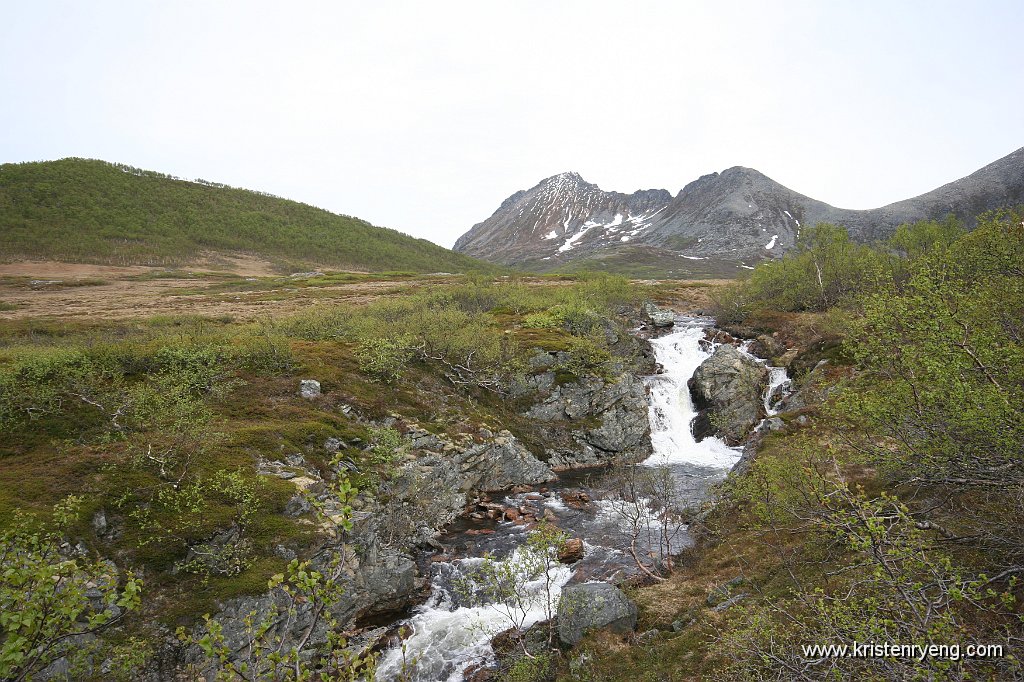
447, 639
671, 409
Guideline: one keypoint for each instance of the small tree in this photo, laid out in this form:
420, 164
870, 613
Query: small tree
49, 600
506, 586
277, 641
649, 506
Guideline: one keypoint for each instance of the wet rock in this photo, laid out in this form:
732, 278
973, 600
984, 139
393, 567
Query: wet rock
577, 499
771, 424
727, 390
658, 316
593, 606
571, 551
309, 388
766, 347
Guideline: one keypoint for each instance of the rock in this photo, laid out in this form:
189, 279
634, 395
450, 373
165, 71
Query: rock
309, 388
284, 553
659, 317
297, 506
727, 390
594, 422
512, 514
724, 592
766, 347
681, 624
332, 445
99, 523
771, 424
647, 636
577, 499
571, 551
593, 606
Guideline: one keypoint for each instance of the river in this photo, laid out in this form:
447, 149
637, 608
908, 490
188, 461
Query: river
607, 509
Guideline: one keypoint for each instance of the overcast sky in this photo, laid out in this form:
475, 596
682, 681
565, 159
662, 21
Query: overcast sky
424, 116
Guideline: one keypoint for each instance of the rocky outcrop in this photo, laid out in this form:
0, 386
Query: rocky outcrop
727, 390
592, 421
593, 606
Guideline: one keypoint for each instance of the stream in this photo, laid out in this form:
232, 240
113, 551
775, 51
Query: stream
449, 637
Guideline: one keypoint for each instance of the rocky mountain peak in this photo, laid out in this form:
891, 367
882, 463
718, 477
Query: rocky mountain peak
736, 217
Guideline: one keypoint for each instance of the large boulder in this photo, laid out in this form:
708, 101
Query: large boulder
728, 390
592, 606
593, 422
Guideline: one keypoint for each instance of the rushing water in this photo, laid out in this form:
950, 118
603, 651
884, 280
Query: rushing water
450, 636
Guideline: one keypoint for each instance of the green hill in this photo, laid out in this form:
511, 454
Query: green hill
92, 211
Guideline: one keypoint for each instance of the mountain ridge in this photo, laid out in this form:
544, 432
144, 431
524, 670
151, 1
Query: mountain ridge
738, 215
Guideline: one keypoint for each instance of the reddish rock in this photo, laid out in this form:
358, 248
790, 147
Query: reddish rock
512, 514
571, 551
576, 498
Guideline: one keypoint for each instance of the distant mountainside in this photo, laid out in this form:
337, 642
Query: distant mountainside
734, 218
94, 211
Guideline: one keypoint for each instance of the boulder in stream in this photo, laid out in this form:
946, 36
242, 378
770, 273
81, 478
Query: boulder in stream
727, 389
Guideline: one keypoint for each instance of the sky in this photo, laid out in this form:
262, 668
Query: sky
425, 116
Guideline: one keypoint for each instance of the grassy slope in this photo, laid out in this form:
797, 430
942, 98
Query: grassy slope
642, 262
94, 211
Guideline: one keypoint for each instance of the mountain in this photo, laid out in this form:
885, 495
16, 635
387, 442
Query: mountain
732, 218
93, 211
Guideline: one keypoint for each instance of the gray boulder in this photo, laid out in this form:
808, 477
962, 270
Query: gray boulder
659, 317
309, 388
592, 606
727, 390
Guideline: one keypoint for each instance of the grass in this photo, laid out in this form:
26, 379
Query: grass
259, 414
81, 210
642, 262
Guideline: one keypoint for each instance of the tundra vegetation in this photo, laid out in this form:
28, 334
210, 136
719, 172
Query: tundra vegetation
134, 498
889, 510
885, 511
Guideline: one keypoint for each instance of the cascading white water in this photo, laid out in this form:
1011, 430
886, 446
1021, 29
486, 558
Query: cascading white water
449, 637
671, 409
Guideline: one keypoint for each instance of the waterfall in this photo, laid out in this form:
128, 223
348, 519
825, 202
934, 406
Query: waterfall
671, 409
448, 636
